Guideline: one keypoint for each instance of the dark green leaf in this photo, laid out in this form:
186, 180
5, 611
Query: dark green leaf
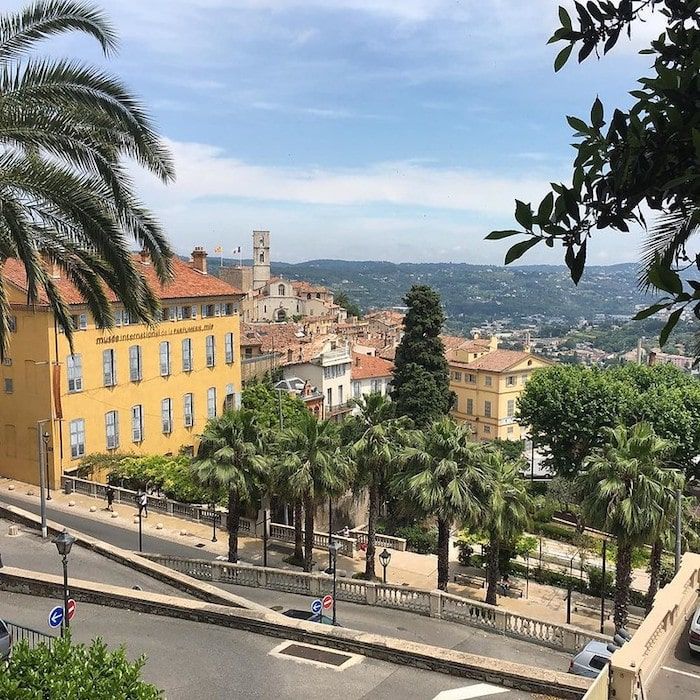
662, 277
597, 113
650, 311
564, 18
520, 248
595, 11
544, 211
578, 264
585, 50
497, 235
578, 125
523, 214
562, 58
670, 325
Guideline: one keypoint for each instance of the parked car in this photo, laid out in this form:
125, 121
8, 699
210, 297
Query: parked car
5, 642
591, 659
694, 632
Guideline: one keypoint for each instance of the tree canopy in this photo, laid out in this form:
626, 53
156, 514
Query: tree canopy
644, 157
421, 384
264, 402
344, 301
568, 407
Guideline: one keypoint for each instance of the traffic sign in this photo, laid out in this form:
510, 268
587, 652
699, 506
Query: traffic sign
56, 617
316, 606
71, 609
327, 601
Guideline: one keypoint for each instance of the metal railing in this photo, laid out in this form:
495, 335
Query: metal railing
33, 637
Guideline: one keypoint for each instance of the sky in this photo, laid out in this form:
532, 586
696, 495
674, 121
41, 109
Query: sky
397, 130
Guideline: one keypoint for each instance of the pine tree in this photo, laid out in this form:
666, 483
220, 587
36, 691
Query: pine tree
421, 384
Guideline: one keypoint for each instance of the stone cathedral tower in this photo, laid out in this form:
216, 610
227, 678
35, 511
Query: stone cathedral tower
261, 258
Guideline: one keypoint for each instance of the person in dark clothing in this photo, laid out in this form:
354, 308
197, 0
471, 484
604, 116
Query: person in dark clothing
109, 495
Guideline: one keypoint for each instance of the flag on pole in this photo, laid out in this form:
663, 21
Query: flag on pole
237, 251
218, 249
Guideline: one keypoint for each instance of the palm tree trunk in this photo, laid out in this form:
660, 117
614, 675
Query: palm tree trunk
492, 572
443, 545
654, 572
308, 533
233, 520
372, 531
623, 581
298, 539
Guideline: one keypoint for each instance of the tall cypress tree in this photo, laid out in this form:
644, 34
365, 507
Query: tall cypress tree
421, 384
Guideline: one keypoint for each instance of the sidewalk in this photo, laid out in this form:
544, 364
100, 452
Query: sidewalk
544, 603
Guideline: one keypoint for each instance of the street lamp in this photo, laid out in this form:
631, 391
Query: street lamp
384, 559
333, 549
63, 543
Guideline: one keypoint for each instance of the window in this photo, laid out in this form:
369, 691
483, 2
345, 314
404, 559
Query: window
228, 348
599, 662
470, 407
457, 376
335, 371
487, 430
137, 423
210, 350
487, 380
523, 379
187, 355
329, 397
211, 402
12, 324
77, 438
164, 358
79, 322
9, 385
510, 411
207, 310
262, 257
118, 317
75, 372
471, 378
188, 413
230, 398
109, 369
340, 395
510, 381
356, 390
509, 430
166, 415
135, 363
487, 409
229, 309
112, 429
280, 290
376, 386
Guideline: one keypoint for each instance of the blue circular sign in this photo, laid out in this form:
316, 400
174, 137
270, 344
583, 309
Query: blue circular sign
56, 617
316, 606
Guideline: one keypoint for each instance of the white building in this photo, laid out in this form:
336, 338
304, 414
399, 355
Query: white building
370, 375
326, 367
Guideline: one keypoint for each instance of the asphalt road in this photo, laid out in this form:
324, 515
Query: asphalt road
195, 660
394, 623
679, 675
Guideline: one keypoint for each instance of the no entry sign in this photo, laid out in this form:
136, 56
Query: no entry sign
327, 601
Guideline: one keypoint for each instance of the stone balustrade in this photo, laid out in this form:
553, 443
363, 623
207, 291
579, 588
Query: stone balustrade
386, 541
429, 603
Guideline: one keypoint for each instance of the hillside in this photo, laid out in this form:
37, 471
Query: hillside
474, 294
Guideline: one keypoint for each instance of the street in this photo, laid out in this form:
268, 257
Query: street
195, 660
679, 674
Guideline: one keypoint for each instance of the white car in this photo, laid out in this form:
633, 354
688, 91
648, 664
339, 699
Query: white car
694, 632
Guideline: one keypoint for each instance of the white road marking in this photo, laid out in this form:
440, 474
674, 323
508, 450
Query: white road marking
352, 660
683, 673
479, 690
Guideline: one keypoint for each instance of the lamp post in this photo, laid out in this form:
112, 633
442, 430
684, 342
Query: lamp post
602, 587
330, 528
679, 506
42, 443
139, 504
384, 559
45, 438
333, 549
63, 543
213, 521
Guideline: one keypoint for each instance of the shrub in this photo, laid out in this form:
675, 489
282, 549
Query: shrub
419, 539
595, 581
67, 670
554, 531
545, 508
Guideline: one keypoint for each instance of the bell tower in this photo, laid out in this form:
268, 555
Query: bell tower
261, 258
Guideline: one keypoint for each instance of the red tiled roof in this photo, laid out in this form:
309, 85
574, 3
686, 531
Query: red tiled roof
499, 360
303, 286
186, 282
368, 367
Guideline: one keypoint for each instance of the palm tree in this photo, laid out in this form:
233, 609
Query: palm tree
65, 195
506, 513
313, 467
376, 455
625, 493
231, 456
444, 479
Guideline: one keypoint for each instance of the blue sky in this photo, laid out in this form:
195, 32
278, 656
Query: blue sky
359, 129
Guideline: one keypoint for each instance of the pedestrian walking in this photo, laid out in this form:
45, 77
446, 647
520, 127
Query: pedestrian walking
143, 504
109, 495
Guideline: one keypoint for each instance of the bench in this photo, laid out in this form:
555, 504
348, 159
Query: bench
513, 591
468, 580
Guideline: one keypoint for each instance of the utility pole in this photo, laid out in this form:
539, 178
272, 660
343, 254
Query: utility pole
41, 445
679, 506
602, 588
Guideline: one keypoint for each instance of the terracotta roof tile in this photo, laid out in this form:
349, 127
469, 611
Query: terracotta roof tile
368, 367
186, 283
499, 360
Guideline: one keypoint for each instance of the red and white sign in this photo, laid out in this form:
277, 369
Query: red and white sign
327, 601
71, 609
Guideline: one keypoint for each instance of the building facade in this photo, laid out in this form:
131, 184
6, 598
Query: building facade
370, 375
132, 388
487, 383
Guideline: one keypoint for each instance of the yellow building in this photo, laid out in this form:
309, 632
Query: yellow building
487, 383
133, 388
